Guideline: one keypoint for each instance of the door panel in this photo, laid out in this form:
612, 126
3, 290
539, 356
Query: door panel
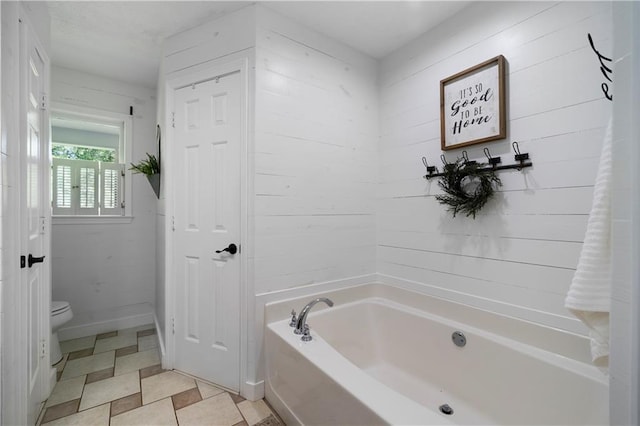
34, 196
207, 219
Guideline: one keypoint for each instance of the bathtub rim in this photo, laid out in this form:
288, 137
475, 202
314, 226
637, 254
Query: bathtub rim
561, 342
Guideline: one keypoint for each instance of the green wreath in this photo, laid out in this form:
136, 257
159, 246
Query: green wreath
456, 181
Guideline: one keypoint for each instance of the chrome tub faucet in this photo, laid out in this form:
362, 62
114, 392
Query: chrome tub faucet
301, 324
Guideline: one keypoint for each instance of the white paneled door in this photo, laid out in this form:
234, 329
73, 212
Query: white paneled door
34, 301
207, 229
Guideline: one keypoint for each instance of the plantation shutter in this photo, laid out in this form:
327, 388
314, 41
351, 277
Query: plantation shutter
87, 187
112, 195
61, 181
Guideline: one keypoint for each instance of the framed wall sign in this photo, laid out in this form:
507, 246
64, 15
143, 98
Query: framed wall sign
472, 105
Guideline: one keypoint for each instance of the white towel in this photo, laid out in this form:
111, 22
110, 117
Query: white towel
589, 296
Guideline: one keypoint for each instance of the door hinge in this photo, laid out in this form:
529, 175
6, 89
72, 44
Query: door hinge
122, 204
173, 326
43, 348
173, 223
43, 225
44, 102
173, 119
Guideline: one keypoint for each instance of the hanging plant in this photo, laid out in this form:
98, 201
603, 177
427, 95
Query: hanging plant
150, 166
467, 186
151, 169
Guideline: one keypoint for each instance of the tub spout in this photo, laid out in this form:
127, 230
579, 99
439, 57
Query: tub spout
302, 319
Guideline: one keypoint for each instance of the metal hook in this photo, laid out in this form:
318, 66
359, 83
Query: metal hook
492, 160
516, 148
465, 157
519, 157
430, 169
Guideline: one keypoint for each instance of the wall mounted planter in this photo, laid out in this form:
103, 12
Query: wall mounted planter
154, 180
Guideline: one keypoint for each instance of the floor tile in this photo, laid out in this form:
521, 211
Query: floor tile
125, 404
186, 398
106, 335
148, 332
254, 412
147, 342
236, 398
98, 416
89, 364
77, 344
80, 354
163, 385
218, 410
66, 390
61, 410
151, 371
136, 361
207, 390
158, 413
122, 340
126, 351
272, 420
99, 375
110, 389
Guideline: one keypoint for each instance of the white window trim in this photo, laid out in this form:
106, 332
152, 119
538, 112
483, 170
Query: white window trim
90, 220
108, 117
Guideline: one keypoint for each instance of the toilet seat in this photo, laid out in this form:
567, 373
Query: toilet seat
59, 307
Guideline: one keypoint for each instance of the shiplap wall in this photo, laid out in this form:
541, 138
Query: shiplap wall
518, 256
316, 133
107, 271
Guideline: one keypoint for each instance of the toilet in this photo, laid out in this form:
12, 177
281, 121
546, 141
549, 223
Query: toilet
60, 315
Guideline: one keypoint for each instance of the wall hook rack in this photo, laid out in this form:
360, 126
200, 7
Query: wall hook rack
522, 161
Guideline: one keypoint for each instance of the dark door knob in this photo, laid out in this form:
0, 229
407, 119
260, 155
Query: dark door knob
33, 260
232, 249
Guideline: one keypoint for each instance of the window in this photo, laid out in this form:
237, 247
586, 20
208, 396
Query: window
88, 164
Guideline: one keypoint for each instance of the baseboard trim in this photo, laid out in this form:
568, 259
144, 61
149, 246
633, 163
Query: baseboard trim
253, 391
85, 330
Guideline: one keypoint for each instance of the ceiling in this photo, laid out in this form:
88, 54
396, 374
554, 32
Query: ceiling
123, 39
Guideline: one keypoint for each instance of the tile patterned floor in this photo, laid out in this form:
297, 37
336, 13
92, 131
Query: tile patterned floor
116, 379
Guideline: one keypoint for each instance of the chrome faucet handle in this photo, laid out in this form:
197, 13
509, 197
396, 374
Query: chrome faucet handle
294, 318
306, 337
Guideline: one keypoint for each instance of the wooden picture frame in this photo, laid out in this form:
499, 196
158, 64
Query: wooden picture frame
472, 105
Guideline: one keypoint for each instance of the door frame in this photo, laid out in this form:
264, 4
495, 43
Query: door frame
203, 72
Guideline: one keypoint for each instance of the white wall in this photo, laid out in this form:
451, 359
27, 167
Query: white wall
107, 271
316, 141
519, 255
316, 133
625, 303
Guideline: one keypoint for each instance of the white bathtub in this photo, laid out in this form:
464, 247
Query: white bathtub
382, 356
